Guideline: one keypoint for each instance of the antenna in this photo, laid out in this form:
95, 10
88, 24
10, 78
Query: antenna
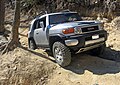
46, 12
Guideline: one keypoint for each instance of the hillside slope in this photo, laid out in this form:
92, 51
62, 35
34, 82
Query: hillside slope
25, 67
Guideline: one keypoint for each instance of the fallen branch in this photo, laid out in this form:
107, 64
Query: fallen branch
2, 47
10, 46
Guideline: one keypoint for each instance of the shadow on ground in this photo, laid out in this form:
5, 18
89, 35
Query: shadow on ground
105, 64
108, 63
111, 54
23, 35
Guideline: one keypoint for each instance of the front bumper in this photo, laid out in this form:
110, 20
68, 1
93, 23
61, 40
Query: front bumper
85, 40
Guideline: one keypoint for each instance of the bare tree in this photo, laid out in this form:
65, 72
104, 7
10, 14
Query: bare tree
14, 40
2, 15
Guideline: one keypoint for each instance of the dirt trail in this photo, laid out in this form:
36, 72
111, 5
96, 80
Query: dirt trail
88, 70
37, 68
26, 67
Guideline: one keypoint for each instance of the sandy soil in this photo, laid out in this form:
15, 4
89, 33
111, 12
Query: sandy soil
26, 67
92, 70
88, 70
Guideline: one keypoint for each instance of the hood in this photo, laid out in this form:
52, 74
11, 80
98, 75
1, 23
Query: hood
74, 24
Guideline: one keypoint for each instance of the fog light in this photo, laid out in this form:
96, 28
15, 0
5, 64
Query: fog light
71, 42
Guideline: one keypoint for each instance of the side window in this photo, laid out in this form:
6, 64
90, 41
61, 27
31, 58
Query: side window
38, 24
44, 21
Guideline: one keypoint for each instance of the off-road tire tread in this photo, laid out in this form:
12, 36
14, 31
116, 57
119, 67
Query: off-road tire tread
66, 53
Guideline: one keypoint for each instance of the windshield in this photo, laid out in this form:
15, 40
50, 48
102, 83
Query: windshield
62, 18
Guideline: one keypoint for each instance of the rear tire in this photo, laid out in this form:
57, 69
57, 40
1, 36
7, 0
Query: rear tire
32, 44
62, 54
98, 51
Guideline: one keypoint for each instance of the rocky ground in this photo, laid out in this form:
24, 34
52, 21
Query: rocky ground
25, 67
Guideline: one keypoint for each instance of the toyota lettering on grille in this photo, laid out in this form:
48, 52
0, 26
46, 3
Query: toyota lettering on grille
90, 28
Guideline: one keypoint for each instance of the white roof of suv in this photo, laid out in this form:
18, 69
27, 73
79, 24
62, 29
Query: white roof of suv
51, 14
56, 13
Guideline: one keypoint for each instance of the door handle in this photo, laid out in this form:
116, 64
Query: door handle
37, 33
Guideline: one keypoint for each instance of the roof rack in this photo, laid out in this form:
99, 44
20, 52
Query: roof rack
43, 12
67, 10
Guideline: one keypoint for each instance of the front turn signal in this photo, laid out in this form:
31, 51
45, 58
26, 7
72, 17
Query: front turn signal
68, 31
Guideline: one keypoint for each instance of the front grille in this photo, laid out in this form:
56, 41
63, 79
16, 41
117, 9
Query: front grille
88, 29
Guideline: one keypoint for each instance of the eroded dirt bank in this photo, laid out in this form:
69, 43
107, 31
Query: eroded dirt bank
26, 67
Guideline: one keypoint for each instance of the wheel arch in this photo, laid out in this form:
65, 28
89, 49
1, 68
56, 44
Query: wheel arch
55, 38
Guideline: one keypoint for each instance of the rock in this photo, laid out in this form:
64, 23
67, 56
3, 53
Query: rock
116, 23
105, 20
59, 73
46, 76
110, 45
23, 43
42, 79
99, 17
3, 40
15, 68
95, 84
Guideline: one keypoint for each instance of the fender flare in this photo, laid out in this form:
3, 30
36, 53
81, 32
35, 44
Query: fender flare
54, 38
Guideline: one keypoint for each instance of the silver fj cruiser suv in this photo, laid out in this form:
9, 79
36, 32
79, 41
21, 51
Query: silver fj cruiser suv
65, 33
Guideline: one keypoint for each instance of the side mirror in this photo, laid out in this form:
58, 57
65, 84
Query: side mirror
42, 24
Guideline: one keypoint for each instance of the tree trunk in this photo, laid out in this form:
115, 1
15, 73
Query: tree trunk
16, 23
14, 41
2, 16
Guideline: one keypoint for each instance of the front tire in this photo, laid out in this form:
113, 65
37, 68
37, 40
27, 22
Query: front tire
62, 54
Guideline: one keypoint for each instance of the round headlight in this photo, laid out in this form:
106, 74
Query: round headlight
77, 30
